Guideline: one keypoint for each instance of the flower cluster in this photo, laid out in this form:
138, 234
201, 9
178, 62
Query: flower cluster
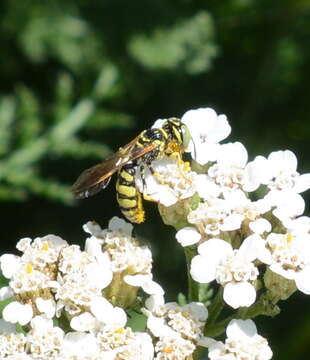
52, 276
242, 342
178, 329
241, 222
55, 281
46, 341
234, 229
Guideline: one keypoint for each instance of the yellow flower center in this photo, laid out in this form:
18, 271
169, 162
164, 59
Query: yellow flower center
29, 268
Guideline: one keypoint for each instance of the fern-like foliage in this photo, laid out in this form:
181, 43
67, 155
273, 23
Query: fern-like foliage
30, 135
187, 45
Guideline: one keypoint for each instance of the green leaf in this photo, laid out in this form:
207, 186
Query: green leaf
188, 44
3, 280
7, 112
136, 321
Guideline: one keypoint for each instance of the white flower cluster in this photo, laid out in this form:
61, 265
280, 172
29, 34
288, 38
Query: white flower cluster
51, 276
235, 231
46, 341
242, 342
178, 329
53, 280
70, 302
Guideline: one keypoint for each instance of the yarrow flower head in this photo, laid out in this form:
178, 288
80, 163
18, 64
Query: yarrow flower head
178, 329
173, 181
32, 278
207, 129
242, 342
289, 256
131, 263
45, 341
52, 278
75, 288
233, 269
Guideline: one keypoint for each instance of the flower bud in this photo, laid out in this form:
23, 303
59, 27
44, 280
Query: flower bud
279, 287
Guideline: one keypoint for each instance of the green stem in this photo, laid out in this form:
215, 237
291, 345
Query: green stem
263, 306
218, 329
193, 287
216, 307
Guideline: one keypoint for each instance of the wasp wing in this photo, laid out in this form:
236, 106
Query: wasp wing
96, 178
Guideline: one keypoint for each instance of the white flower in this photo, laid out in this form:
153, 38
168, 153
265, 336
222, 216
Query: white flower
44, 340
81, 278
233, 269
9, 264
32, 277
242, 342
260, 226
178, 328
104, 312
290, 257
46, 306
173, 347
140, 347
172, 181
79, 345
188, 236
28, 278
117, 224
120, 252
206, 187
170, 319
231, 170
123, 343
41, 251
83, 322
299, 225
5, 293
215, 215
287, 203
16, 312
207, 129
13, 346
283, 174
145, 282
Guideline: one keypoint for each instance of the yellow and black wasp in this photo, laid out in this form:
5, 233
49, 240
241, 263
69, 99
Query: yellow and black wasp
152, 144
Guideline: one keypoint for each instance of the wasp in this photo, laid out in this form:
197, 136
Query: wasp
171, 138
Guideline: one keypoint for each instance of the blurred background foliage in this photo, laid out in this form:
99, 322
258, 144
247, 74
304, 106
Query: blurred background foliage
80, 78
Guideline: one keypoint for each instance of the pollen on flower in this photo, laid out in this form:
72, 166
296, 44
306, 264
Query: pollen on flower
289, 237
289, 254
234, 268
167, 350
178, 328
29, 268
45, 246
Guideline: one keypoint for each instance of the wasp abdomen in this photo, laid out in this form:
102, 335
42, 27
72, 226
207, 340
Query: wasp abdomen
128, 197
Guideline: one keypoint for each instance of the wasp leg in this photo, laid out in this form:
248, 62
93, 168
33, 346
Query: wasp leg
183, 165
158, 177
142, 174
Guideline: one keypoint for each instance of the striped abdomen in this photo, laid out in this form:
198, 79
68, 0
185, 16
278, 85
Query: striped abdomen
128, 197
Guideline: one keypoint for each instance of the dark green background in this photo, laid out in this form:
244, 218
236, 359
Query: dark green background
247, 59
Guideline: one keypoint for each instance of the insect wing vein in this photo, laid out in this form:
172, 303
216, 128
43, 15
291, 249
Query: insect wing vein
87, 183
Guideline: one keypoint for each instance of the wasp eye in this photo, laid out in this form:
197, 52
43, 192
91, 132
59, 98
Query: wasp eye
185, 135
